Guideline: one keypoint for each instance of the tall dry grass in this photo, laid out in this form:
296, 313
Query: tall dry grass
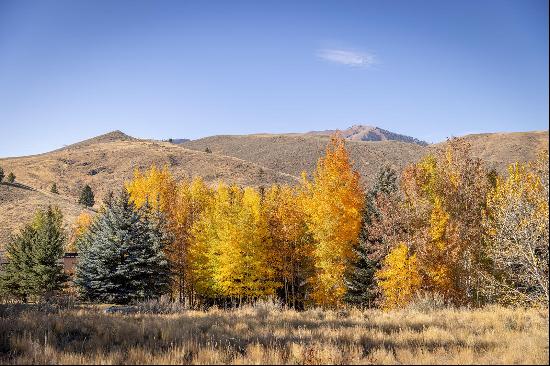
264, 334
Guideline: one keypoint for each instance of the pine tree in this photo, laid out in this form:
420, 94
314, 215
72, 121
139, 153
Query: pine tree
54, 189
14, 279
48, 275
86, 196
33, 269
122, 257
360, 280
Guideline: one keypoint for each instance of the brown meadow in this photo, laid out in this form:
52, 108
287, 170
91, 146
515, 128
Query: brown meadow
269, 335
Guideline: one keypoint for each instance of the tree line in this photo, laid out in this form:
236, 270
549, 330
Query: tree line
446, 225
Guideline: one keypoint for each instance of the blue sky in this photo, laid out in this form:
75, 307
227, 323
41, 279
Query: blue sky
73, 69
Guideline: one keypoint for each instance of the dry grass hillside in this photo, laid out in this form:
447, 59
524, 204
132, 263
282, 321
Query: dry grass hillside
105, 162
293, 154
498, 150
18, 205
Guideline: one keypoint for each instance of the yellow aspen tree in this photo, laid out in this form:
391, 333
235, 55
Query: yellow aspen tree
517, 230
230, 253
333, 204
189, 202
399, 277
291, 243
204, 247
155, 186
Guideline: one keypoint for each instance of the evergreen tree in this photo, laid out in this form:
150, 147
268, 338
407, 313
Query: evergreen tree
360, 280
15, 276
54, 189
33, 268
48, 275
11, 178
122, 257
86, 196
1, 174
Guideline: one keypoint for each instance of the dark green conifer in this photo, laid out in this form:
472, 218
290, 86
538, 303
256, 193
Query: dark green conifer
34, 269
360, 280
87, 196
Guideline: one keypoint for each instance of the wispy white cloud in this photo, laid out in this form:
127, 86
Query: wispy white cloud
350, 58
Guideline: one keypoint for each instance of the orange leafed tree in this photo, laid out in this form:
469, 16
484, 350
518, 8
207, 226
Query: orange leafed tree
444, 203
333, 204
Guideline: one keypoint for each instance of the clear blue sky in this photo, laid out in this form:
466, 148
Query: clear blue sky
73, 69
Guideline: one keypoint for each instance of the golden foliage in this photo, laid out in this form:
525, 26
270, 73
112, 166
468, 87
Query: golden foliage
230, 251
181, 203
291, 244
333, 203
399, 278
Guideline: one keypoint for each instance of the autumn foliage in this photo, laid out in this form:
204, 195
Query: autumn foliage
447, 226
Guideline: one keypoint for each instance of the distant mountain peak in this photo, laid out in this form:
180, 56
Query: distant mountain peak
115, 135
112, 136
359, 132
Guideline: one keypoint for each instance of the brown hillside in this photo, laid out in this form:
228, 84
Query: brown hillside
18, 205
294, 153
107, 161
498, 150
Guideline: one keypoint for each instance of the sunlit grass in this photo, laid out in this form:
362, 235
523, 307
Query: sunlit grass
264, 334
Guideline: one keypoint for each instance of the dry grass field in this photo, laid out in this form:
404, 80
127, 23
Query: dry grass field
263, 334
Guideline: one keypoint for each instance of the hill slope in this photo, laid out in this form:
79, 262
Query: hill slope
293, 154
499, 150
106, 161
18, 205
